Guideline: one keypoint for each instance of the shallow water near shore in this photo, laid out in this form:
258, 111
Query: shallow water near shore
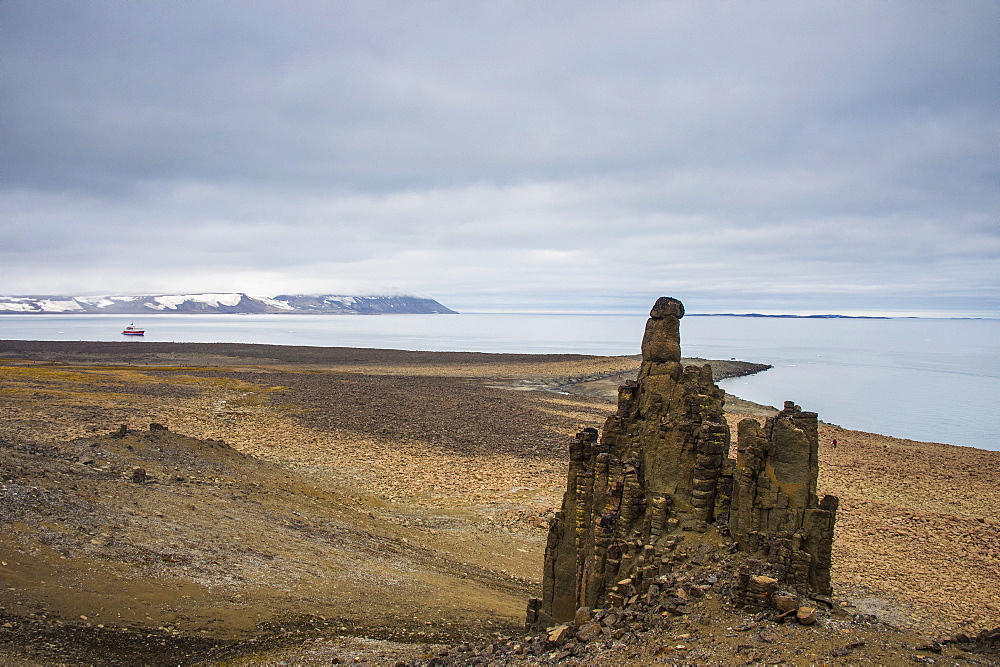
926, 379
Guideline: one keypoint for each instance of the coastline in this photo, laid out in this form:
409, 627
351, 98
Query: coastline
932, 377
428, 454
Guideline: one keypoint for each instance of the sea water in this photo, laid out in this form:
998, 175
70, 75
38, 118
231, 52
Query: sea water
926, 379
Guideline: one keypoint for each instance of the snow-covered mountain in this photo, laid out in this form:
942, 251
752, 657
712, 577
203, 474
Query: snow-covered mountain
236, 302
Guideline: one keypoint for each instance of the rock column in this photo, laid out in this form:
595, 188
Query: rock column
660, 475
775, 510
654, 471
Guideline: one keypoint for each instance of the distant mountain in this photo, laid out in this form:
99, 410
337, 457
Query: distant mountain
802, 317
227, 303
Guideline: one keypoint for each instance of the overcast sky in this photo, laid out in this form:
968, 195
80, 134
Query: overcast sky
741, 156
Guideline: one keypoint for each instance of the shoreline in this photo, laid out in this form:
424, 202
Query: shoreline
599, 384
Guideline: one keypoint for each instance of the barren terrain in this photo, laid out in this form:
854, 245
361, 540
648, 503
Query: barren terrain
310, 503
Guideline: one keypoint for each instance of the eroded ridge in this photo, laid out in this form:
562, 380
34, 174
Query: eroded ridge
659, 476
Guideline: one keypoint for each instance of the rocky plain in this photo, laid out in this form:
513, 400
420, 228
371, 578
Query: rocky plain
248, 504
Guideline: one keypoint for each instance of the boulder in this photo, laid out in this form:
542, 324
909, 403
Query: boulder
560, 634
588, 632
807, 615
784, 602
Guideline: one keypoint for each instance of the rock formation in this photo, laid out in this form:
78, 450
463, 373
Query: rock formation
660, 475
774, 507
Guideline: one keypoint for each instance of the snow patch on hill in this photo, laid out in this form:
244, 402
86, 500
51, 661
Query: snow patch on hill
225, 302
173, 302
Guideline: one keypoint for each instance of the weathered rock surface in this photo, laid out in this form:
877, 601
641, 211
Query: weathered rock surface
659, 476
774, 507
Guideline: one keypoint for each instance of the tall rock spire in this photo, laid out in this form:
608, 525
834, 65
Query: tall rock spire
660, 474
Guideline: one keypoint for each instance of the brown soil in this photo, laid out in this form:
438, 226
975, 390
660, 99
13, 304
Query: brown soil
329, 497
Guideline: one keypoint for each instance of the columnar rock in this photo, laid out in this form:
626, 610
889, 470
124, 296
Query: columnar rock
774, 508
653, 471
659, 474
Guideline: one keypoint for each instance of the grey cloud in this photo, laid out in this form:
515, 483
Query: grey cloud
466, 149
196, 89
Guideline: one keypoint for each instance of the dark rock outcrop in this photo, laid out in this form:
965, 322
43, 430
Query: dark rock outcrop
774, 504
660, 475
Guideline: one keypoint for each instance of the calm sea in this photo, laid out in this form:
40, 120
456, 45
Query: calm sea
926, 379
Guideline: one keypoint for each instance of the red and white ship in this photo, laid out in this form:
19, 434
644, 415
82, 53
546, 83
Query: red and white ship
130, 330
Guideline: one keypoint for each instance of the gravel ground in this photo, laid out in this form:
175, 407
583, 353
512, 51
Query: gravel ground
316, 477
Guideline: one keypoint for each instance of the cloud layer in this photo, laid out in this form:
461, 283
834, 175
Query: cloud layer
780, 156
